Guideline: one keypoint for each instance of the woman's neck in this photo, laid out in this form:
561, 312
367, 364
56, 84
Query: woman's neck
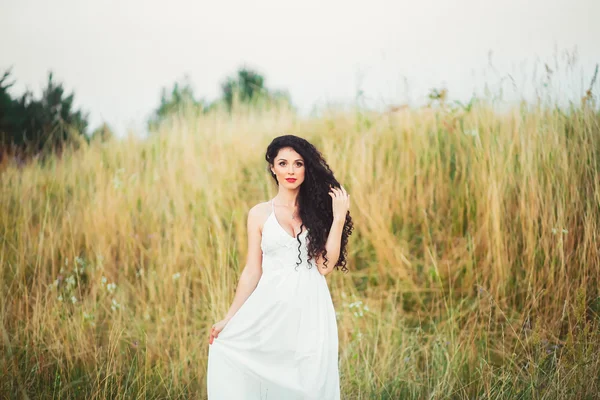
287, 198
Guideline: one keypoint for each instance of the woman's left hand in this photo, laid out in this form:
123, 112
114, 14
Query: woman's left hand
340, 203
216, 329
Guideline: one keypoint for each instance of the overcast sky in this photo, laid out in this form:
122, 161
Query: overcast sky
117, 55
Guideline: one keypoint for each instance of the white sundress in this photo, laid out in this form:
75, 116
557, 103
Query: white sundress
282, 344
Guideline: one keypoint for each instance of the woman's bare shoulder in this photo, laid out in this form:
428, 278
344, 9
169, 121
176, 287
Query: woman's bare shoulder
258, 214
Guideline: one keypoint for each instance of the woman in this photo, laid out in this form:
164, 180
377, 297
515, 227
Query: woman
279, 339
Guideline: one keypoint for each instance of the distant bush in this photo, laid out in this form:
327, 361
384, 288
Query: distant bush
102, 134
181, 98
247, 87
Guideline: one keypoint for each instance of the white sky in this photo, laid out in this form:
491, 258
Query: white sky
117, 55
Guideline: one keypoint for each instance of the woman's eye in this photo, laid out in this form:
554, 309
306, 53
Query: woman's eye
299, 164
282, 164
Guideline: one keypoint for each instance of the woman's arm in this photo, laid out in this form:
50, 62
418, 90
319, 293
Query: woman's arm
251, 273
341, 205
333, 244
253, 270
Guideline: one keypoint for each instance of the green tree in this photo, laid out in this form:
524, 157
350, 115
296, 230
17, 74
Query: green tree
31, 126
248, 86
181, 98
102, 134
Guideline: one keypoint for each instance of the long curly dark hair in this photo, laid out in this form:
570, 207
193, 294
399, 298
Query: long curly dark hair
314, 202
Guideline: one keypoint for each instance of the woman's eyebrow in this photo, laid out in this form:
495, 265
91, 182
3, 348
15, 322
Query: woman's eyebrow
285, 159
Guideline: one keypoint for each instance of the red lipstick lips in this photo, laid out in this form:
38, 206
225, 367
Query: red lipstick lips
291, 180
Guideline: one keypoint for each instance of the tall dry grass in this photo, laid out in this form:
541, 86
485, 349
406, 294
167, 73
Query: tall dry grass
474, 263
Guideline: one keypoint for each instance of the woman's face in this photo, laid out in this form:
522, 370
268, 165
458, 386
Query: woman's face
288, 167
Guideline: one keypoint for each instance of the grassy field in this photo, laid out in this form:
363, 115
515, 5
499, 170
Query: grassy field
475, 259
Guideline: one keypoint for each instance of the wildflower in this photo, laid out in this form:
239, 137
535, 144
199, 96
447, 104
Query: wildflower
60, 298
111, 287
103, 280
355, 304
117, 183
115, 305
73, 299
176, 276
88, 317
71, 281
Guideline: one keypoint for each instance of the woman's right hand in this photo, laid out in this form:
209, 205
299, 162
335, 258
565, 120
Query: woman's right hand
216, 329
